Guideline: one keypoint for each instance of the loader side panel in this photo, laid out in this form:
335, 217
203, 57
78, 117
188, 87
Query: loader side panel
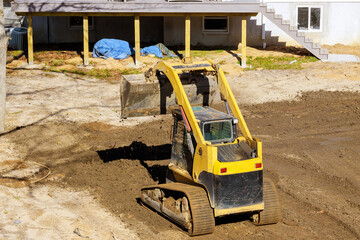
180, 153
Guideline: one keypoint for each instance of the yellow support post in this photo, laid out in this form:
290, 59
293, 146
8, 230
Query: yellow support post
187, 39
30, 39
137, 38
243, 41
86, 39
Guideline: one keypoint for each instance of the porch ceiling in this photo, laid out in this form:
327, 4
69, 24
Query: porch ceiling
156, 7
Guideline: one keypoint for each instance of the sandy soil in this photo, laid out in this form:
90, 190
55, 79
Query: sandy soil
308, 120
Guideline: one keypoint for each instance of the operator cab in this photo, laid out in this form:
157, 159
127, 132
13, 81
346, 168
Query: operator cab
217, 127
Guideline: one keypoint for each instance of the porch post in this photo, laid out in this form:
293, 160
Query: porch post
187, 57
30, 39
137, 38
86, 39
243, 41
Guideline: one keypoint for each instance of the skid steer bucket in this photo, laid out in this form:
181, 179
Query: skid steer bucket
153, 94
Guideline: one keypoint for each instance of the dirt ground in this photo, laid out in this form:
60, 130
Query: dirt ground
82, 166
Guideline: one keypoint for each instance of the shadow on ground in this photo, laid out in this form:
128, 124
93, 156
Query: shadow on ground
140, 151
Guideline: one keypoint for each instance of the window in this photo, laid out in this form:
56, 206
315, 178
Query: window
216, 25
219, 131
77, 22
309, 18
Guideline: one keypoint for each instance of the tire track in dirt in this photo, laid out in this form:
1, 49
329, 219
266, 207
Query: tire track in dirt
291, 128
319, 210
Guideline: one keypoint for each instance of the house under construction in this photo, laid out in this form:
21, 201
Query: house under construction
180, 22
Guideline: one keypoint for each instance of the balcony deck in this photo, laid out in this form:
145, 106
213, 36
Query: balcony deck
135, 8
147, 7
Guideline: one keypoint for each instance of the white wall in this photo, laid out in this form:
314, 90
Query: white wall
340, 24
340, 20
343, 24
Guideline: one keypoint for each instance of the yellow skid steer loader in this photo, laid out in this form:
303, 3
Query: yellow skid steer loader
213, 171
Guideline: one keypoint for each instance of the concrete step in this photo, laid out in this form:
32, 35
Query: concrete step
293, 28
308, 40
316, 45
323, 56
292, 31
324, 51
300, 34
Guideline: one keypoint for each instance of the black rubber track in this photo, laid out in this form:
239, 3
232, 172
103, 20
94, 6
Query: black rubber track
202, 214
271, 213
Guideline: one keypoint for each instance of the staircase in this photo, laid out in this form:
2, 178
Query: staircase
292, 31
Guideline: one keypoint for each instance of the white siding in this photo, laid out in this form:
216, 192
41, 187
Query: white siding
340, 20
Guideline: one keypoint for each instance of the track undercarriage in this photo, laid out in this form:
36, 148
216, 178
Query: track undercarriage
184, 204
188, 206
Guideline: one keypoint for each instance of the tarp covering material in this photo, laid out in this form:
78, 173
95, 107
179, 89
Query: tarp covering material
117, 49
165, 50
152, 50
158, 50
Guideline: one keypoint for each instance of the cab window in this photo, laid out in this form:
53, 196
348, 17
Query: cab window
218, 131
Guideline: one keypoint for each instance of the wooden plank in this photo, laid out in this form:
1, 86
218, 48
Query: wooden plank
30, 39
137, 38
187, 57
86, 39
243, 41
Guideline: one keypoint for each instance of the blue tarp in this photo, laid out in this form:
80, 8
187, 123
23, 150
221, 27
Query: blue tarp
117, 49
152, 50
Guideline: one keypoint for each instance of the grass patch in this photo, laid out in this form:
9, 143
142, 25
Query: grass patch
204, 53
97, 73
129, 71
49, 75
167, 57
278, 63
16, 53
17, 112
56, 63
12, 55
49, 56
74, 71
111, 75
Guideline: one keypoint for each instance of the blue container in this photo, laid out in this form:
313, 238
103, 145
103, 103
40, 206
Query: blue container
18, 39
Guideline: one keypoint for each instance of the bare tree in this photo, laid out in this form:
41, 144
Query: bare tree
3, 39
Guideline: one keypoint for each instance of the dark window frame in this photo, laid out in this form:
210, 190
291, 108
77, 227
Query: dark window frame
80, 26
214, 30
215, 141
309, 18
